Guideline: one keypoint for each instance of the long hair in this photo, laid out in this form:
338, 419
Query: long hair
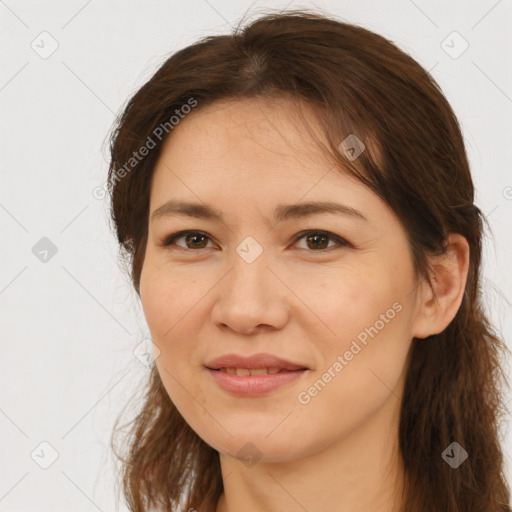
357, 83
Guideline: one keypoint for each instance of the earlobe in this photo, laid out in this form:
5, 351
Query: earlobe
440, 302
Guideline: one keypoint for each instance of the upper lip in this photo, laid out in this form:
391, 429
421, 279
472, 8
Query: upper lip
253, 361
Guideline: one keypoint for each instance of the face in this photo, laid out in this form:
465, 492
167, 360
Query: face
333, 292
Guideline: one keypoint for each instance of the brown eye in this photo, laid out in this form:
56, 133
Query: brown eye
193, 240
197, 241
317, 241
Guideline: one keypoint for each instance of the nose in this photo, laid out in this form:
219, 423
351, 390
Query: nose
251, 298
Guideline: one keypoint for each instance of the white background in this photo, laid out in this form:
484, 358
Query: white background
70, 325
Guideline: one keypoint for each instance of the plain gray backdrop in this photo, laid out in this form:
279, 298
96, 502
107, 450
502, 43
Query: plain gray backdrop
69, 318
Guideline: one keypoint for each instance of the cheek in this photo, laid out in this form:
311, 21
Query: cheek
347, 302
362, 366
166, 299
367, 316
168, 309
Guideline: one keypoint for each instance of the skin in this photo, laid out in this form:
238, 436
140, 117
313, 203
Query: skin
305, 304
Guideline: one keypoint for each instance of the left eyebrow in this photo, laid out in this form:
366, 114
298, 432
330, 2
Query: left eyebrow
281, 212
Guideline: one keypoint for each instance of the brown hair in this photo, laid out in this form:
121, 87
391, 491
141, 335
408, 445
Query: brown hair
356, 82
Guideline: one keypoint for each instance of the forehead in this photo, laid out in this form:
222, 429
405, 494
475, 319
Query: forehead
243, 129
244, 143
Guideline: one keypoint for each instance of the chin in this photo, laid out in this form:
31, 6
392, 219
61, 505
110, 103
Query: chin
258, 447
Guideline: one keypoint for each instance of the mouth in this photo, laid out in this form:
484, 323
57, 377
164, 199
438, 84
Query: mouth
255, 371
254, 375
254, 382
255, 364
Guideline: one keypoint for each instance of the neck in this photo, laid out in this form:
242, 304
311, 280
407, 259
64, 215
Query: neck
361, 472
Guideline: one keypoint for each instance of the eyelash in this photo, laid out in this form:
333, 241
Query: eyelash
338, 239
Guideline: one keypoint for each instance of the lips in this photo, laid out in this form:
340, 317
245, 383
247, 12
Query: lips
254, 376
243, 365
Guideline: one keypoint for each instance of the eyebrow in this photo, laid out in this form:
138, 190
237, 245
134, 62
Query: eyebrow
281, 212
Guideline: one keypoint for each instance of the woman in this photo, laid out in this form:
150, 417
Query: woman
297, 208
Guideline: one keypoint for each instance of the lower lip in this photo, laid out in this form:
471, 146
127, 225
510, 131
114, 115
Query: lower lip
254, 385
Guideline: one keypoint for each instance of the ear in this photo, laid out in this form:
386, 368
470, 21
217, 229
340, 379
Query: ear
439, 304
